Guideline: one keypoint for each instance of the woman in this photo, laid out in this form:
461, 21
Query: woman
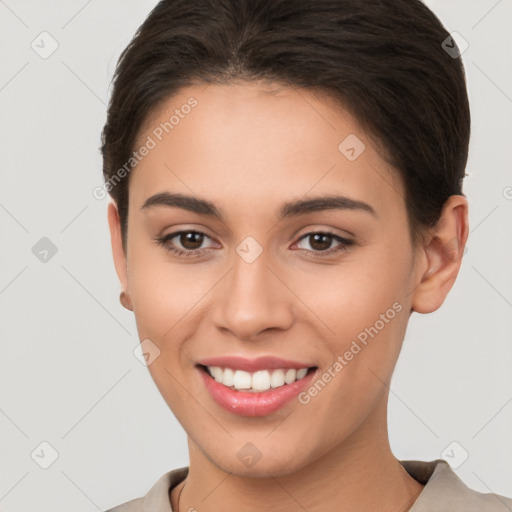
286, 179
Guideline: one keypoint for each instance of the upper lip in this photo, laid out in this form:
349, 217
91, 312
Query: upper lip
253, 365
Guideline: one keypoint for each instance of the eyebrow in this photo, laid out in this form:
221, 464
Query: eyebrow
291, 209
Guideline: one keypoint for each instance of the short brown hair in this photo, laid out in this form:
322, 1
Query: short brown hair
383, 60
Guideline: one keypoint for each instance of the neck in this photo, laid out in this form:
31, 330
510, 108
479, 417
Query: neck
360, 474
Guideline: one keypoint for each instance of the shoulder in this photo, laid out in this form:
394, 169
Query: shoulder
445, 491
130, 506
157, 498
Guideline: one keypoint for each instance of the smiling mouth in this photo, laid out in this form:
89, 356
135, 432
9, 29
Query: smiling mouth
256, 382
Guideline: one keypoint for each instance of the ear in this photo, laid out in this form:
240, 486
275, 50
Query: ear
117, 245
442, 253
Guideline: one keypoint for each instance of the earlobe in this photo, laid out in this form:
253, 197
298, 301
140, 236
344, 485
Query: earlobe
443, 251
125, 301
117, 249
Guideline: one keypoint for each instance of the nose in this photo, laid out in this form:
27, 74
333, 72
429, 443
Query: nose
253, 299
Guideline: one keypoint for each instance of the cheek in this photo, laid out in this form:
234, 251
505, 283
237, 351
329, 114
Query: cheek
362, 302
352, 295
163, 298
164, 292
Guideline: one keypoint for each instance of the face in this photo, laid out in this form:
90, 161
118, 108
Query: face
260, 289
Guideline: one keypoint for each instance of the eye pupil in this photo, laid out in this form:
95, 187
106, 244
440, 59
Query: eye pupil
191, 237
318, 244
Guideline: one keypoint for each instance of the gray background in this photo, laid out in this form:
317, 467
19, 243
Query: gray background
68, 374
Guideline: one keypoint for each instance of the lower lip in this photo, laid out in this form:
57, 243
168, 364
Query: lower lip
263, 403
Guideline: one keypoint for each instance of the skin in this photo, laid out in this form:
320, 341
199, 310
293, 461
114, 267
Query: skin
248, 147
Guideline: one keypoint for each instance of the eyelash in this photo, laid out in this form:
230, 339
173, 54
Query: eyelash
163, 241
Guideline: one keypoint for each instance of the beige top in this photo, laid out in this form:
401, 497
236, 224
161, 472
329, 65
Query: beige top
444, 491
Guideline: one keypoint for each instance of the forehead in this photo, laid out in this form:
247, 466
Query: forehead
254, 143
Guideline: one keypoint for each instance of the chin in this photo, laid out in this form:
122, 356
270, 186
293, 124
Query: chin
263, 465
261, 469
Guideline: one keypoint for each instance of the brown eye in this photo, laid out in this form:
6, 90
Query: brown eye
185, 243
320, 243
191, 240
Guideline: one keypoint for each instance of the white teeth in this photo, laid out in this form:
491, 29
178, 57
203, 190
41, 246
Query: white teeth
301, 373
290, 376
228, 377
277, 378
261, 380
242, 380
217, 374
